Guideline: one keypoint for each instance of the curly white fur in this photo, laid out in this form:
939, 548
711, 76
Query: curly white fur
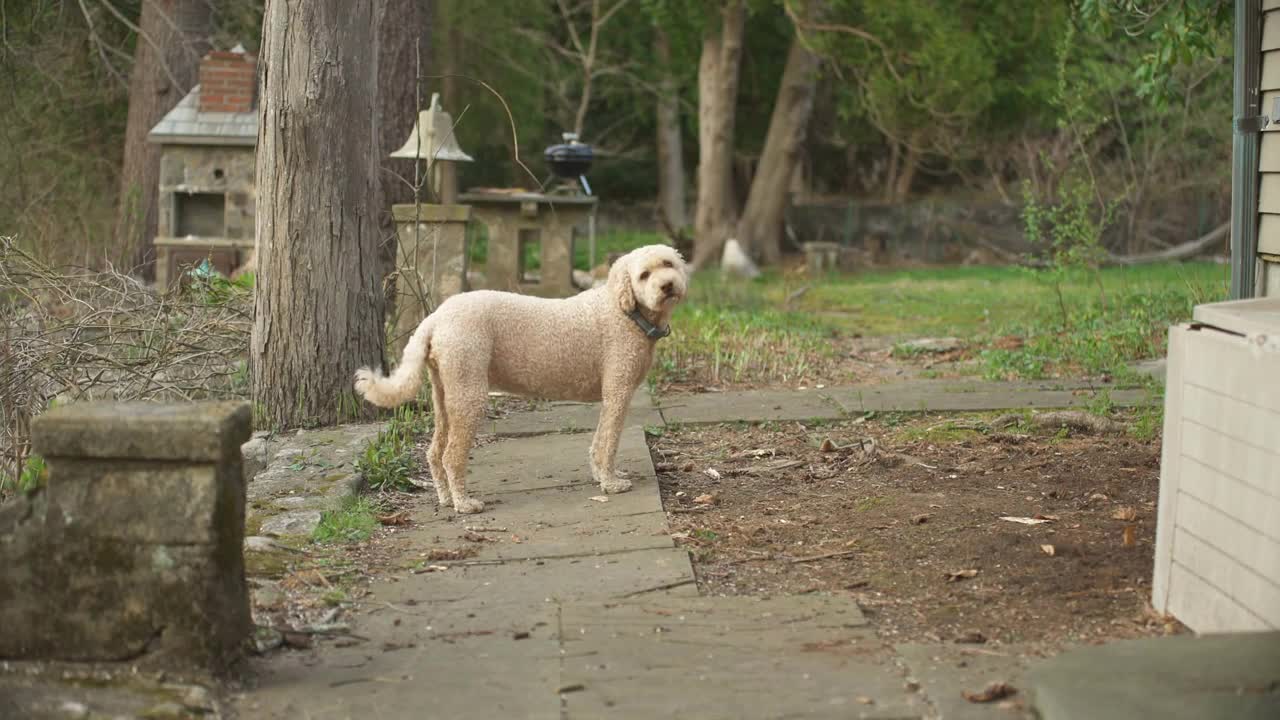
582, 348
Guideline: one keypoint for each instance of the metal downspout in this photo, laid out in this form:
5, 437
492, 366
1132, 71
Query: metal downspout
1246, 104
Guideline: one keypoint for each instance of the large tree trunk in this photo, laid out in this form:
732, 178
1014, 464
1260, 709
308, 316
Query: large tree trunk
175, 35
760, 229
718, 71
671, 200
319, 304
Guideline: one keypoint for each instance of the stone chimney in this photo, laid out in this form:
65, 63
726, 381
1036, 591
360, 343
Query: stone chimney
228, 81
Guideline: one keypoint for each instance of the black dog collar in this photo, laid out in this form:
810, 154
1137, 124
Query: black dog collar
649, 329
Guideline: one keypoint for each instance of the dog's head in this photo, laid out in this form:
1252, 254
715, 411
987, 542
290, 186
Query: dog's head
654, 277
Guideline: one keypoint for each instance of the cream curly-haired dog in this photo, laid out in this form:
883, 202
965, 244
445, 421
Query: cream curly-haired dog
596, 345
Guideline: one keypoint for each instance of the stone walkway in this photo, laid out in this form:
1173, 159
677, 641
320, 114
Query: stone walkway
587, 609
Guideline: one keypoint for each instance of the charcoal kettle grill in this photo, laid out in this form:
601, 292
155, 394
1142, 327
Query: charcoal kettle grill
569, 162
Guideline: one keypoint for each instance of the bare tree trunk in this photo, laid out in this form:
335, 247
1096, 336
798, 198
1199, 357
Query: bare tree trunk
718, 71
891, 173
174, 36
405, 36
671, 201
907, 172
448, 55
760, 229
319, 304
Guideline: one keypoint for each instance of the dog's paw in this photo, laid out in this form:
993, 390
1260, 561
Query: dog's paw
615, 485
445, 500
468, 506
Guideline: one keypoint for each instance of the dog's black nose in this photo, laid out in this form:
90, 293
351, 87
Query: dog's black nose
667, 287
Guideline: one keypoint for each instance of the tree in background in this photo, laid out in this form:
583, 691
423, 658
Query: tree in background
718, 71
172, 37
405, 53
670, 141
319, 302
760, 230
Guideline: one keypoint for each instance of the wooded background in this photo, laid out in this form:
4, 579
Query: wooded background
1115, 110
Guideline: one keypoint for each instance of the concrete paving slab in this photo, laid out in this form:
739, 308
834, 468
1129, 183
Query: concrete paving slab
559, 417
556, 522
944, 671
546, 461
604, 576
1175, 678
751, 406
728, 657
456, 665
940, 396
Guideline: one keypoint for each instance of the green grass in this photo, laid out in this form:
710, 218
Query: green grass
33, 475
731, 331
353, 522
779, 328
388, 462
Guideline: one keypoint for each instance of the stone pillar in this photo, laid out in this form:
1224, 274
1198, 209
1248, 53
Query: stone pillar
134, 549
547, 221
431, 262
821, 257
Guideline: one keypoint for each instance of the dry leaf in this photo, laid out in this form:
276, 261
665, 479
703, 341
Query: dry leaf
599, 498
921, 519
400, 518
1048, 550
712, 473
1126, 514
864, 700
1038, 516
476, 537
687, 467
1129, 536
827, 446
706, 499
994, 691
1026, 520
972, 637
961, 574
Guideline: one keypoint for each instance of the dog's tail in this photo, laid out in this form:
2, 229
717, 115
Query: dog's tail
402, 384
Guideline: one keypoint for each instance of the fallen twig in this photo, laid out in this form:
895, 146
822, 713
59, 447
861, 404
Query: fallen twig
659, 588
823, 556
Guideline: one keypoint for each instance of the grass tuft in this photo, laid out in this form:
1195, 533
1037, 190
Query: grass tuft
353, 522
388, 462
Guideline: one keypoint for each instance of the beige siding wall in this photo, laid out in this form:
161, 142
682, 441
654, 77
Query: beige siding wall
1268, 284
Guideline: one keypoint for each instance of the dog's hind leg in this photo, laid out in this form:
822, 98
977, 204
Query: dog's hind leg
439, 438
465, 401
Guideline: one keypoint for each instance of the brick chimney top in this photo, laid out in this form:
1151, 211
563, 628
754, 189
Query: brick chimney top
228, 81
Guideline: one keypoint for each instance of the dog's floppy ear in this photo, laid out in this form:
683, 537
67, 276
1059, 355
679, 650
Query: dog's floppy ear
682, 264
620, 284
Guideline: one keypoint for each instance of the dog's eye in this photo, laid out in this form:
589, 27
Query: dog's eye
644, 275
667, 263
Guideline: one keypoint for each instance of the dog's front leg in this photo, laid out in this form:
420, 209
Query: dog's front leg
604, 446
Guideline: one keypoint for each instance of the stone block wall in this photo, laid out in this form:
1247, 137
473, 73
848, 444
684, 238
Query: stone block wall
226, 170
134, 549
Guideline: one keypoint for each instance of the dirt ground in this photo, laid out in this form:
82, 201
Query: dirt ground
905, 513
